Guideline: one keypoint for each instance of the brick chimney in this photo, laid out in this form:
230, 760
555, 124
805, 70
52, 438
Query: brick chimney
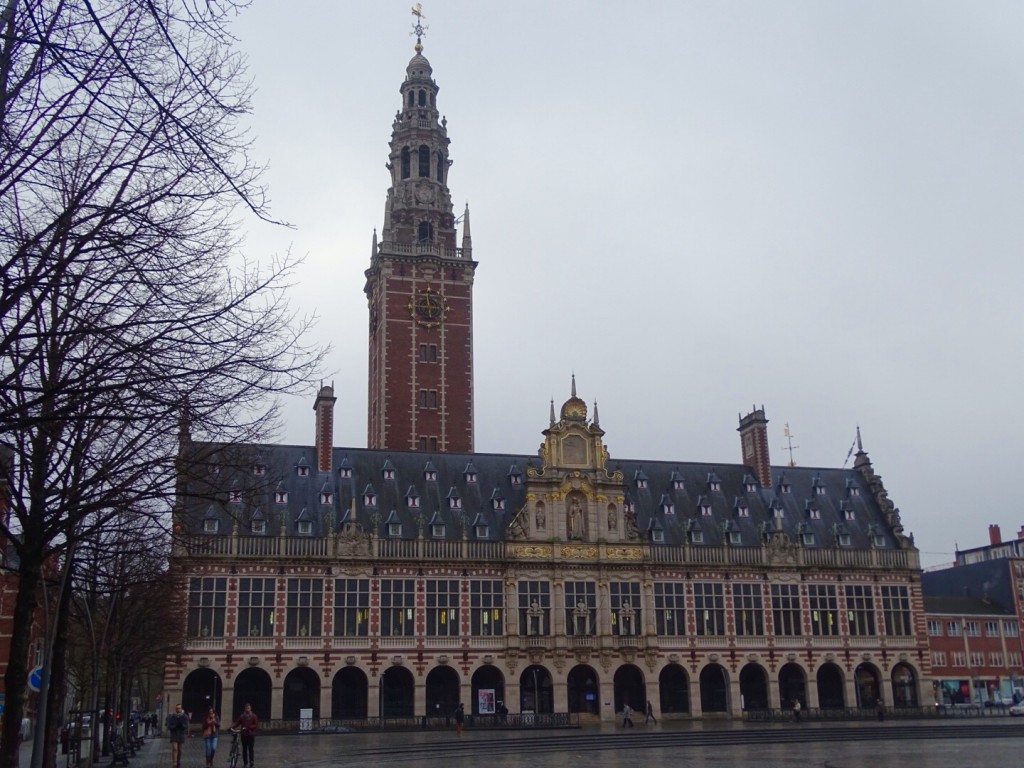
994, 535
324, 407
753, 431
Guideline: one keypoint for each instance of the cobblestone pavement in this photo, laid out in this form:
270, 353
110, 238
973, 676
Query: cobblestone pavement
698, 745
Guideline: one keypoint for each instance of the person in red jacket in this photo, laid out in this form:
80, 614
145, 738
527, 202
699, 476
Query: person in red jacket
247, 723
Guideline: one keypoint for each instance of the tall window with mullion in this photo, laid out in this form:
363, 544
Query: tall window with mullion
207, 598
305, 607
821, 599
487, 607
256, 601
397, 607
625, 606
534, 608
351, 607
896, 610
860, 610
748, 609
670, 608
443, 608
786, 610
580, 605
709, 607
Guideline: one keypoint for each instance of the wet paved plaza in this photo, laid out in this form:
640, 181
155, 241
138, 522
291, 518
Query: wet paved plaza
739, 745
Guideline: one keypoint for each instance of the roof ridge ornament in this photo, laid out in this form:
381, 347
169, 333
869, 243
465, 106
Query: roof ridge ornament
418, 28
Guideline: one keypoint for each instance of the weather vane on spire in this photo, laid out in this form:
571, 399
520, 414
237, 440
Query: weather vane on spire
419, 29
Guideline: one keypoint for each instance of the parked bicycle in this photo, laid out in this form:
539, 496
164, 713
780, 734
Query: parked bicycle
236, 748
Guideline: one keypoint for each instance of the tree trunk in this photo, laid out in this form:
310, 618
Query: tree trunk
16, 678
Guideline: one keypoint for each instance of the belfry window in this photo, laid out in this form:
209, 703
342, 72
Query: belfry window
440, 167
406, 163
412, 99
425, 233
424, 161
423, 98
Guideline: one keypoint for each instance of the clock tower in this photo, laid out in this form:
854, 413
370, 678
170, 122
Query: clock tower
419, 286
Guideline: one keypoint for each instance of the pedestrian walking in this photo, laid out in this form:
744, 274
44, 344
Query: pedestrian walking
177, 727
460, 718
247, 723
211, 725
650, 714
880, 707
627, 716
796, 710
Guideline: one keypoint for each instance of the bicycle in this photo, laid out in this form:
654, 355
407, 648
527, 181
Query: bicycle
236, 749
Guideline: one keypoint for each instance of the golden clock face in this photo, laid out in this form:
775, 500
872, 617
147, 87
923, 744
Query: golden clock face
428, 308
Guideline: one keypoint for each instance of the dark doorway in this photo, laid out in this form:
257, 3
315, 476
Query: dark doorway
754, 687
202, 690
674, 689
830, 687
629, 688
443, 692
868, 688
714, 689
584, 695
397, 693
792, 686
301, 691
904, 687
350, 691
488, 679
535, 693
252, 686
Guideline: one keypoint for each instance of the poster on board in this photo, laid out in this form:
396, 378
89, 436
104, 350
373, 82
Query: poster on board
485, 701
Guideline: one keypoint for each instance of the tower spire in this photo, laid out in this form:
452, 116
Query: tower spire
418, 28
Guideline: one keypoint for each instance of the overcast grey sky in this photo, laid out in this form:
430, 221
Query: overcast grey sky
695, 206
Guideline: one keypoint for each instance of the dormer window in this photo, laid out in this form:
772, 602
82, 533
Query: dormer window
854, 490
696, 537
714, 484
281, 496
742, 510
516, 478
813, 512
849, 514
784, 487
779, 513
470, 473
259, 527
667, 506
430, 475
878, 539
704, 506
807, 538
305, 527
677, 485
394, 530
735, 537
482, 530
498, 503
437, 530
345, 473
234, 497
843, 539
412, 501
641, 482
326, 498
627, 507
454, 502
302, 470
751, 486
819, 490
370, 499
388, 474
658, 536
259, 469
211, 525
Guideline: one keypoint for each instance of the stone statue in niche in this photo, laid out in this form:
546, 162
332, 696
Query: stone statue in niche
540, 518
613, 520
576, 523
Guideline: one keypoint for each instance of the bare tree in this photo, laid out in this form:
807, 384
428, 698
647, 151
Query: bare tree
125, 305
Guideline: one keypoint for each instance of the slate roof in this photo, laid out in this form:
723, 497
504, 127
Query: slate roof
373, 484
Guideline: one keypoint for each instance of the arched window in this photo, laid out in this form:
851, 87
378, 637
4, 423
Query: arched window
440, 167
423, 98
426, 232
406, 163
425, 162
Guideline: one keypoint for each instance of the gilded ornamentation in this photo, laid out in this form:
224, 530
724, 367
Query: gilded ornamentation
579, 553
533, 551
625, 553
